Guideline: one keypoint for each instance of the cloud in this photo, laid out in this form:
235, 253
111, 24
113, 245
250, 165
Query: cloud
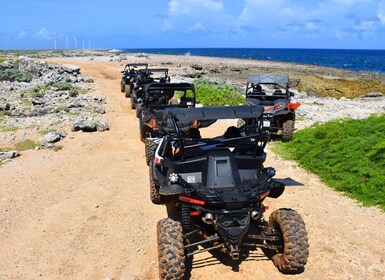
180, 7
193, 16
197, 27
381, 12
22, 35
327, 19
44, 34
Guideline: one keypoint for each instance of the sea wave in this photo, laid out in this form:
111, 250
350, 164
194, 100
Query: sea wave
116, 51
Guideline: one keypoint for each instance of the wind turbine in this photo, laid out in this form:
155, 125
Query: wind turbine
89, 44
54, 39
67, 42
83, 44
76, 43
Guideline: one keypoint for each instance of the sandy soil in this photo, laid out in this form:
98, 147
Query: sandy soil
84, 212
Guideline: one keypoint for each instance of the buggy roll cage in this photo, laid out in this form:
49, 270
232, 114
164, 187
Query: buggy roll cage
130, 66
268, 79
154, 70
154, 87
207, 116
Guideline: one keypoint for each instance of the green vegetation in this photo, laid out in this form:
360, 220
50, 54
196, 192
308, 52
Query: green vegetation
14, 75
26, 145
348, 155
5, 149
64, 86
8, 128
38, 91
5, 113
2, 59
214, 93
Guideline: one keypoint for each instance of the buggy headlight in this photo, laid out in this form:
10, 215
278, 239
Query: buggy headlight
173, 178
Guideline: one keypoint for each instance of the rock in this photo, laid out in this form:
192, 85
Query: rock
5, 107
372, 94
38, 101
8, 155
90, 125
196, 67
9, 64
70, 69
27, 65
102, 126
52, 137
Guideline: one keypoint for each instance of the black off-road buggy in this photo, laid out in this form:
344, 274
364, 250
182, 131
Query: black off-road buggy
159, 96
272, 92
129, 77
147, 76
214, 191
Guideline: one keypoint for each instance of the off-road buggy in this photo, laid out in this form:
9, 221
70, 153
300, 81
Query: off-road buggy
129, 77
214, 190
147, 76
159, 96
272, 92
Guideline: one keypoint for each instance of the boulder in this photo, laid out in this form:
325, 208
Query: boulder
27, 65
90, 125
70, 69
8, 155
52, 137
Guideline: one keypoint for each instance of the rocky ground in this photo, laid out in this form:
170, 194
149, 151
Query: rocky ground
41, 101
84, 212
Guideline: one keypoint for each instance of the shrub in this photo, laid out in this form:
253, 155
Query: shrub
64, 86
214, 93
26, 145
348, 155
14, 75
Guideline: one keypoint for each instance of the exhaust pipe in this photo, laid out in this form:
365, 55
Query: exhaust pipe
234, 252
255, 215
208, 218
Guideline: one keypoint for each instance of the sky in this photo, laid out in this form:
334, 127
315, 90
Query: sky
331, 24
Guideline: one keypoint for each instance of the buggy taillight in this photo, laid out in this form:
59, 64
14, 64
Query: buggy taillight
153, 123
263, 196
293, 106
277, 107
191, 200
195, 123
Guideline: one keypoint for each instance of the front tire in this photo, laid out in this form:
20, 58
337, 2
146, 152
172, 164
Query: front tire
293, 258
155, 197
171, 251
287, 130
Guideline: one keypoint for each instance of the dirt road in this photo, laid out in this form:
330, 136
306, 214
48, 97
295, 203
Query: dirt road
84, 212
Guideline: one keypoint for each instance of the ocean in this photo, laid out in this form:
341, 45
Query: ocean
356, 60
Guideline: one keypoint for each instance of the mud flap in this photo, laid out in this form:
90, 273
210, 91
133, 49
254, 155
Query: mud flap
278, 186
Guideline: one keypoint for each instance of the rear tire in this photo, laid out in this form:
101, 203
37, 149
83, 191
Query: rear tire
150, 147
155, 197
127, 90
287, 130
138, 107
293, 258
133, 105
171, 251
